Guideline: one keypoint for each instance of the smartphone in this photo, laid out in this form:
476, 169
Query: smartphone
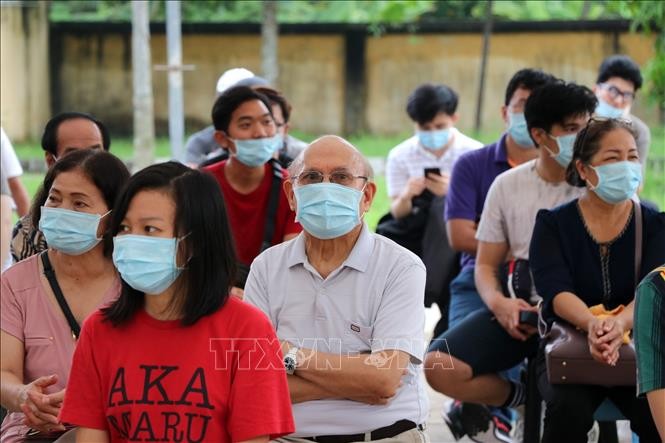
529, 318
435, 171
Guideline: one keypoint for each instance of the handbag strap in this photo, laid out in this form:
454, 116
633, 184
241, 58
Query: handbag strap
638, 241
59, 296
273, 202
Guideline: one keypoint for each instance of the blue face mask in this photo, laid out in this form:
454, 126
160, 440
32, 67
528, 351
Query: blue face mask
147, 264
434, 140
565, 154
518, 131
327, 210
255, 152
617, 181
70, 232
604, 109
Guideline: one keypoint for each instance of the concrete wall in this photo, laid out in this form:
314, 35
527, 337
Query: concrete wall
88, 68
397, 64
25, 102
95, 75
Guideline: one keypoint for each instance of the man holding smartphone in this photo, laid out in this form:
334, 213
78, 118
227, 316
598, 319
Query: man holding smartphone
421, 165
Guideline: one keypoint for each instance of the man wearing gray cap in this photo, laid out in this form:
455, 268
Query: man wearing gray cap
201, 148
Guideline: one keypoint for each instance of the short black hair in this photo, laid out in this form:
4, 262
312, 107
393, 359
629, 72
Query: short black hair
106, 171
50, 135
526, 78
554, 102
427, 100
200, 217
587, 144
620, 66
276, 98
230, 100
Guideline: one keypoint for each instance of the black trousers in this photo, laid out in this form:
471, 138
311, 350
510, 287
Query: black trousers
570, 409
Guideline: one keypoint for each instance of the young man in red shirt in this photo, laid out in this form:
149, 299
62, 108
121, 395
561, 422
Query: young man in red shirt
250, 178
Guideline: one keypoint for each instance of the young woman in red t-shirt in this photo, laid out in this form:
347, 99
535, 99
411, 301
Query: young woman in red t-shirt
176, 358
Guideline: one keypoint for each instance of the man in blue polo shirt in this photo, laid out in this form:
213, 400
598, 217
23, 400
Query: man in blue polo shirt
471, 178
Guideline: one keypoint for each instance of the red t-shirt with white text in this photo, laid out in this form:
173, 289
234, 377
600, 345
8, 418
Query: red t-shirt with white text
247, 213
219, 380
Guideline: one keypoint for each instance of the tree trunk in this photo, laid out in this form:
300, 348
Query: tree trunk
144, 124
269, 36
176, 100
487, 33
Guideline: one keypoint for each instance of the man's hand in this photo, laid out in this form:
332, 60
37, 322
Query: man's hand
414, 187
507, 312
41, 410
605, 337
437, 184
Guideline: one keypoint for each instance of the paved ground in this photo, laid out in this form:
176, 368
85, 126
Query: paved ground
438, 431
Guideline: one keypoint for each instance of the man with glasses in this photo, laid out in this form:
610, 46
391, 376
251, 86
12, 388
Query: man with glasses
618, 81
347, 307
250, 179
465, 361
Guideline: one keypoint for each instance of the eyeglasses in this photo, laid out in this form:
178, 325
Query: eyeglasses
615, 93
338, 177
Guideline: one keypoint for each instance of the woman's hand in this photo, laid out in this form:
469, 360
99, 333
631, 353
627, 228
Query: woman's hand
605, 339
41, 410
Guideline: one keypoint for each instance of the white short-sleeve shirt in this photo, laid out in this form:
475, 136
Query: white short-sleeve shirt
372, 302
511, 205
10, 164
409, 159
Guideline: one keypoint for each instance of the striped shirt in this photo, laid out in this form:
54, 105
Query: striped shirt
409, 159
649, 332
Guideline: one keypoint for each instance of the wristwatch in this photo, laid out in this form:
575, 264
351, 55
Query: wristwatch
290, 361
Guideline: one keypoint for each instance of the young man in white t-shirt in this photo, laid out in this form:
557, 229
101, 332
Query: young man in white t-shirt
492, 339
436, 145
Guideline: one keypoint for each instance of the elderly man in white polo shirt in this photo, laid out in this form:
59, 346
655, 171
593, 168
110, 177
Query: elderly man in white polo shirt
347, 305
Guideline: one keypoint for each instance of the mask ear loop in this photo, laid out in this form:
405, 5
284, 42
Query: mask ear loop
589, 184
100, 219
177, 245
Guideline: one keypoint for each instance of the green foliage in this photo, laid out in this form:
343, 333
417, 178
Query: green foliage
372, 12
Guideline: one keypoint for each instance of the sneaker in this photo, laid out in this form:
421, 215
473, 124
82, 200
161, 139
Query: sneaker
497, 431
465, 418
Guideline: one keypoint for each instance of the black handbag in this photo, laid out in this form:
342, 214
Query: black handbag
408, 231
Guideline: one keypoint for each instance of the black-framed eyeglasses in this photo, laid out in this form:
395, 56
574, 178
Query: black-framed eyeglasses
615, 92
338, 177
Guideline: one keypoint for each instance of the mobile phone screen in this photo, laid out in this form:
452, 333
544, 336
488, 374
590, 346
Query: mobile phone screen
435, 171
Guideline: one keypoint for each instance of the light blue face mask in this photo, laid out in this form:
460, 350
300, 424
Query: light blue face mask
434, 140
606, 110
70, 232
327, 210
617, 182
518, 131
565, 154
147, 264
255, 152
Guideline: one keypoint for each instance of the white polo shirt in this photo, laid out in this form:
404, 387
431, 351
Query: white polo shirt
409, 159
372, 302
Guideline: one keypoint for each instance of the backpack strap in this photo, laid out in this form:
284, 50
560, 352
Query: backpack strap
59, 296
273, 202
